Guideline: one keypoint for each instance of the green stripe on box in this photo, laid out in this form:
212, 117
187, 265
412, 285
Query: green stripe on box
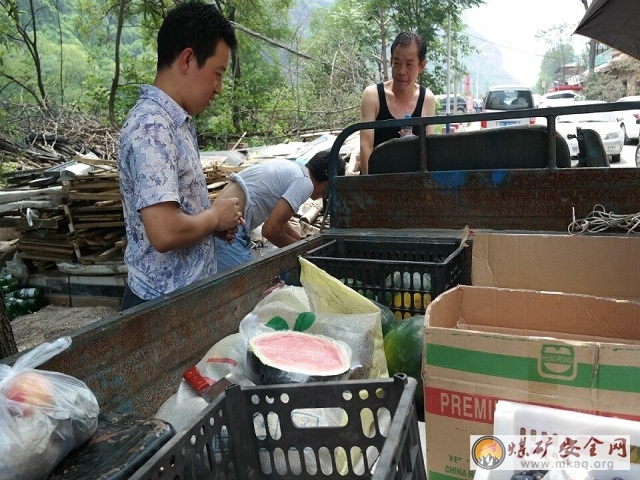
503, 366
441, 476
618, 378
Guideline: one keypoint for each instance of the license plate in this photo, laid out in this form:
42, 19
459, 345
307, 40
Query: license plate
507, 124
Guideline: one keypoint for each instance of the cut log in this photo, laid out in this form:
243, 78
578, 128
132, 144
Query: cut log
7, 340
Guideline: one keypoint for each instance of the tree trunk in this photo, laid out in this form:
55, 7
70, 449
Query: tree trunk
592, 55
383, 45
592, 44
116, 73
35, 55
236, 117
8, 344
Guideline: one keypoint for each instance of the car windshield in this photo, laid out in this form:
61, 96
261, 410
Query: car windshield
594, 117
509, 100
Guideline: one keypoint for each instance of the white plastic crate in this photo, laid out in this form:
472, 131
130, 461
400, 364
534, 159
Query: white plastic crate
512, 418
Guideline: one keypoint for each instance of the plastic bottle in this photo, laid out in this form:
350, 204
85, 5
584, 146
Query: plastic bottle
15, 307
8, 283
34, 298
407, 130
5, 279
33, 292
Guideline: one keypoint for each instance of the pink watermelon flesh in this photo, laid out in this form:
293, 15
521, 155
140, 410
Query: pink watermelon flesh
298, 355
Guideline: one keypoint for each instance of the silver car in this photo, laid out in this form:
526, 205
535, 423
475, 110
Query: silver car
604, 123
628, 118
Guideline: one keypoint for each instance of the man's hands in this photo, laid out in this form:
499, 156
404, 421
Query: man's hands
169, 228
229, 218
227, 211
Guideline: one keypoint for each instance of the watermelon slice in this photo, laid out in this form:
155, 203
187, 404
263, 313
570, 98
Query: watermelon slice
296, 357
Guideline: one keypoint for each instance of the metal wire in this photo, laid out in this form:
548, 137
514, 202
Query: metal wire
599, 220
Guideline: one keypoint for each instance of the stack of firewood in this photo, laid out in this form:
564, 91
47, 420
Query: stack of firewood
81, 220
66, 214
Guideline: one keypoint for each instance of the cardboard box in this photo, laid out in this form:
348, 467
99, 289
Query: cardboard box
484, 344
605, 266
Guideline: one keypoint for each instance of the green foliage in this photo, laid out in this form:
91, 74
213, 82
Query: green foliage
551, 67
356, 33
6, 167
273, 94
603, 86
559, 55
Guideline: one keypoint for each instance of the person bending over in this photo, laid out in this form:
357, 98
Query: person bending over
270, 193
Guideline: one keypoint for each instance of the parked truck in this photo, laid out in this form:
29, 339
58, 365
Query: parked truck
135, 360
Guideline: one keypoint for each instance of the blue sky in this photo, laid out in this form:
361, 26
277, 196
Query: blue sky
512, 25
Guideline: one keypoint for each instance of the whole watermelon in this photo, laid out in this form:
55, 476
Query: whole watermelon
403, 346
387, 317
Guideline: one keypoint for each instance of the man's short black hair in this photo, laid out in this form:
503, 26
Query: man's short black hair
406, 39
319, 166
197, 25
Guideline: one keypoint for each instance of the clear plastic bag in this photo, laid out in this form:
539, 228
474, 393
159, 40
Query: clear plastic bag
43, 415
17, 268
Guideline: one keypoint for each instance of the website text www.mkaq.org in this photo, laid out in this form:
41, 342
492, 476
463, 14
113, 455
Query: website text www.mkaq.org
552, 452
566, 464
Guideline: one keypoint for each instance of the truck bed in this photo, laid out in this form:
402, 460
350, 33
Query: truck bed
135, 360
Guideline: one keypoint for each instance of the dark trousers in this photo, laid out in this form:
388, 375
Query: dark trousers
130, 299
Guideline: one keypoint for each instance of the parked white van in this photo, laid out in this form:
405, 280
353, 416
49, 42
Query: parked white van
501, 98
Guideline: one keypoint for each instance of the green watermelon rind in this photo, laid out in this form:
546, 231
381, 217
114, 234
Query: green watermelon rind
403, 348
388, 319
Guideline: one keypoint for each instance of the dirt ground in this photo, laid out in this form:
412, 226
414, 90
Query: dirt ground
54, 321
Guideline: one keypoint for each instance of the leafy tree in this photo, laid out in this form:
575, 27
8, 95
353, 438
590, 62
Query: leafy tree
555, 60
349, 44
603, 86
271, 19
92, 55
342, 59
621, 78
128, 27
24, 33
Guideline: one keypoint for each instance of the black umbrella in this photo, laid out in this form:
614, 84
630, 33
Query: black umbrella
615, 23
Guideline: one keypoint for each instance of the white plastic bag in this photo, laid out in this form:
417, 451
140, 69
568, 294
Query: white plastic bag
17, 268
225, 356
341, 313
43, 415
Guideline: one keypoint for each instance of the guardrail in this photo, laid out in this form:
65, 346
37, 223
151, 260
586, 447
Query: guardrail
550, 113
369, 190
